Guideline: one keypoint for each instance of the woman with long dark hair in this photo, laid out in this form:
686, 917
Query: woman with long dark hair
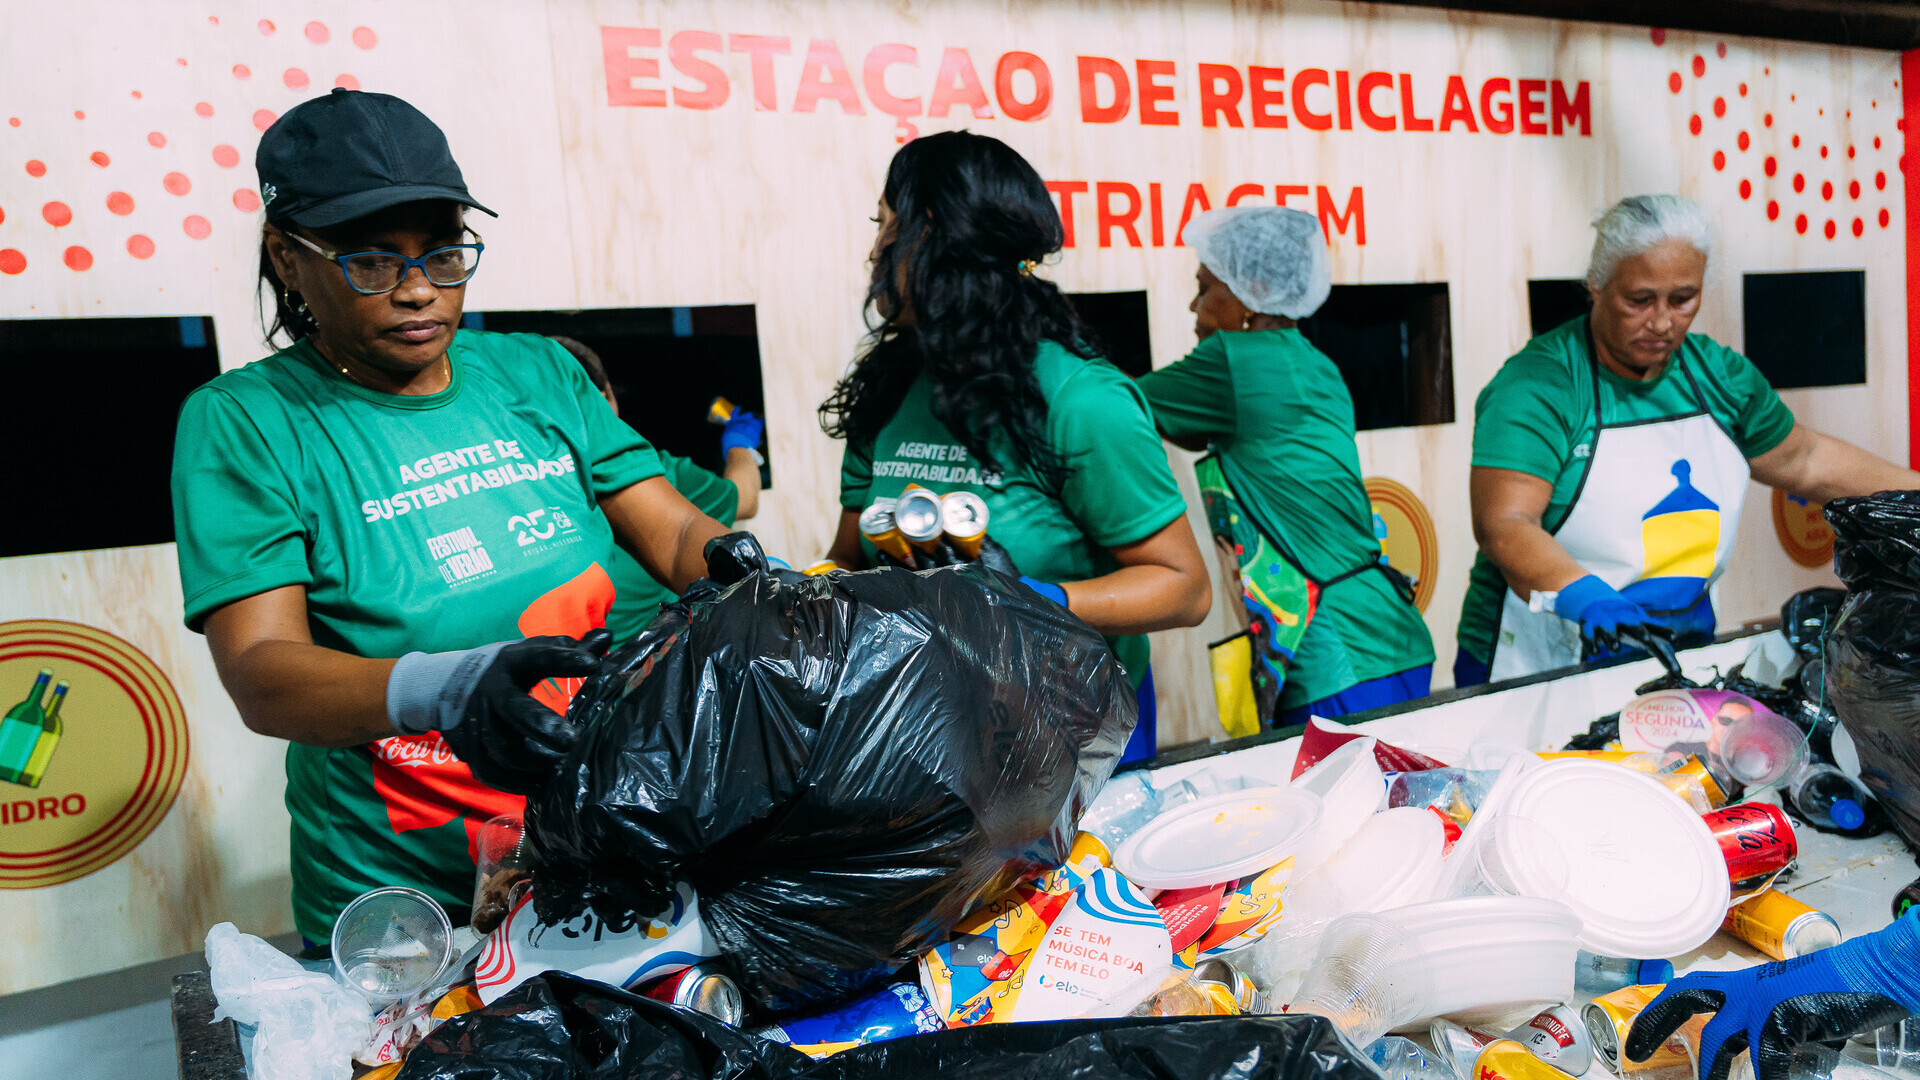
977, 378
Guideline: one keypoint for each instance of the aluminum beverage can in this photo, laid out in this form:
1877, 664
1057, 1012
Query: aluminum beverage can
1755, 838
1781, 926
1217, 974
1558, 1037
876, 524
963, 517
899, 1010
1906, 899
916, 513
821, 568
704, 988
1609, 1017
1697, 769
1505, 1059
719, 411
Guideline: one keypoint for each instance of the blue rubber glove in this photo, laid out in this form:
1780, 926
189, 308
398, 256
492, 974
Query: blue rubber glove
1047, 589
1855, 987
1609, 622
745, 431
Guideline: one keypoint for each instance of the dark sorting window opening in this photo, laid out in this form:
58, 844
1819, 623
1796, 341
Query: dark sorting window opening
1553, 301
96, 402
666, 366
1394, 347
1807, 328
1116, 324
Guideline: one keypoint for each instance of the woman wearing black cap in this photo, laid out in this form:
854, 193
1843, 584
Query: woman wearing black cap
388, 488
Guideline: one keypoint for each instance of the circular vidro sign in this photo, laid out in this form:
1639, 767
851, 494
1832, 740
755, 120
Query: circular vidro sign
1405, 531
93, 747
1801, 525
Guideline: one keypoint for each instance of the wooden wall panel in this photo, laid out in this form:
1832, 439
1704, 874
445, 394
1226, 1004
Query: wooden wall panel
605, 206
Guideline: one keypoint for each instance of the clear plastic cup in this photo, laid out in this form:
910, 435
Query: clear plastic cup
502, 862
1368, 979
1898, 1046
391, 943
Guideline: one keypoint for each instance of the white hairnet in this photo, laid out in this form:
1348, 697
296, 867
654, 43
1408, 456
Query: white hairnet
1274, 259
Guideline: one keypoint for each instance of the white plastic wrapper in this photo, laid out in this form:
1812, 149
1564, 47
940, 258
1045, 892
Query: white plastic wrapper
306, 1026
521, 948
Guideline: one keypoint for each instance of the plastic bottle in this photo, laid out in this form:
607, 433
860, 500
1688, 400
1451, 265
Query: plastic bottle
1597, 975
1829, 798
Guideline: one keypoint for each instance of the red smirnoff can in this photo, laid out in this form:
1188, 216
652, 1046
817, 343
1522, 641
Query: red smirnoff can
1755, 838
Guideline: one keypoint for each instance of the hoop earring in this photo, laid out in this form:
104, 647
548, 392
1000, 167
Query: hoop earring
294, 301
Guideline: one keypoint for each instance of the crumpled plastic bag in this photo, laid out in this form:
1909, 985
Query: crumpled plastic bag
306, 1025
556, 1027
1873, 646
841, 766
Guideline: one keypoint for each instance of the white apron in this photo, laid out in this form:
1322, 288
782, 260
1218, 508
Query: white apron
1654, 517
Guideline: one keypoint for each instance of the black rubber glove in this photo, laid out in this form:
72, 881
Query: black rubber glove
510, 741
1858, 986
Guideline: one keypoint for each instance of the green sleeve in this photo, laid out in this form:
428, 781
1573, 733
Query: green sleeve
621, 456
1121, 489
856, 476
236, 527
1761, 420
1194, 397
1521, 421
714, 495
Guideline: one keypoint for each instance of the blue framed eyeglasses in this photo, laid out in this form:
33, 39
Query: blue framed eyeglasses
371, 273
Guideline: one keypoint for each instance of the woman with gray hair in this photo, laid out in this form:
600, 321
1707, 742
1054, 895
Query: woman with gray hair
1333, 629
1611, 456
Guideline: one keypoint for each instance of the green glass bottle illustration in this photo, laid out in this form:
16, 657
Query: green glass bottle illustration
20, 730
50, 730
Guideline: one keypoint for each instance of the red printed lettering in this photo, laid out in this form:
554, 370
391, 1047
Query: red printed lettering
1246, 191
1156, 219
1332, 219
1533, 102
1103, 194
1220, 90
1092, 70
623, 67
1343, 98
1067, 189
824, 74
1458, 107
1302, 79
1266, 95
1407, 119
1370, 82
873, 74
1578, 108
958, 84
1499, 121
1196, 200
683, 49
1153, 92
1283, 192
760, 52
1003, 87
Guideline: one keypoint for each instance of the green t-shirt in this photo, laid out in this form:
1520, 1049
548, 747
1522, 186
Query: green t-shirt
636, 595
1537, 417
1279, 415
426, 523
1120, 491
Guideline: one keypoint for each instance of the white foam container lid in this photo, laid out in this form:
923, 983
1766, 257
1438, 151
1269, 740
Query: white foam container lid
1351, 790
1221, 838
1394, 859
1644, 873
1488, 955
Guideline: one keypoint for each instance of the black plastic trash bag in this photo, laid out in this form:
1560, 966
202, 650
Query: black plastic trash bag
1873, 647
840, 766
557, 1027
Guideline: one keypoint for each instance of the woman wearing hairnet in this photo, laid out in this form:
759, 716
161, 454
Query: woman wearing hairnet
1611, 456
1333, 626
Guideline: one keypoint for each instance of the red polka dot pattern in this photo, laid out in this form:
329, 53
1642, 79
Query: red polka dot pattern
1853, 189
246, 199
1658, 35
264, 118
140, 246
1826, 190
56, 214
1884, 217
266, 26
197, 227
317, 33
1799, 183
1800, 223
100, 158
1746, 189
1773, 210
1719, 108
176, 183
1693, 125
225, 156
203, 109
156, 140
295, 79
78, 258
242, 71
12, 261
1674, 82
1770, 165
36, 168
1859, 227
120, 204
1719, 160
1699, 66
1741, 141
1830, 230
347, 82
365, 38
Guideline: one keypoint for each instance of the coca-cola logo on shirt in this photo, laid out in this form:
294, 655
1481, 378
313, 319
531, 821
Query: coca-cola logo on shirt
414, 751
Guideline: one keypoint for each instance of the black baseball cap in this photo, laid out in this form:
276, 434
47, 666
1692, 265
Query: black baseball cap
349, 154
